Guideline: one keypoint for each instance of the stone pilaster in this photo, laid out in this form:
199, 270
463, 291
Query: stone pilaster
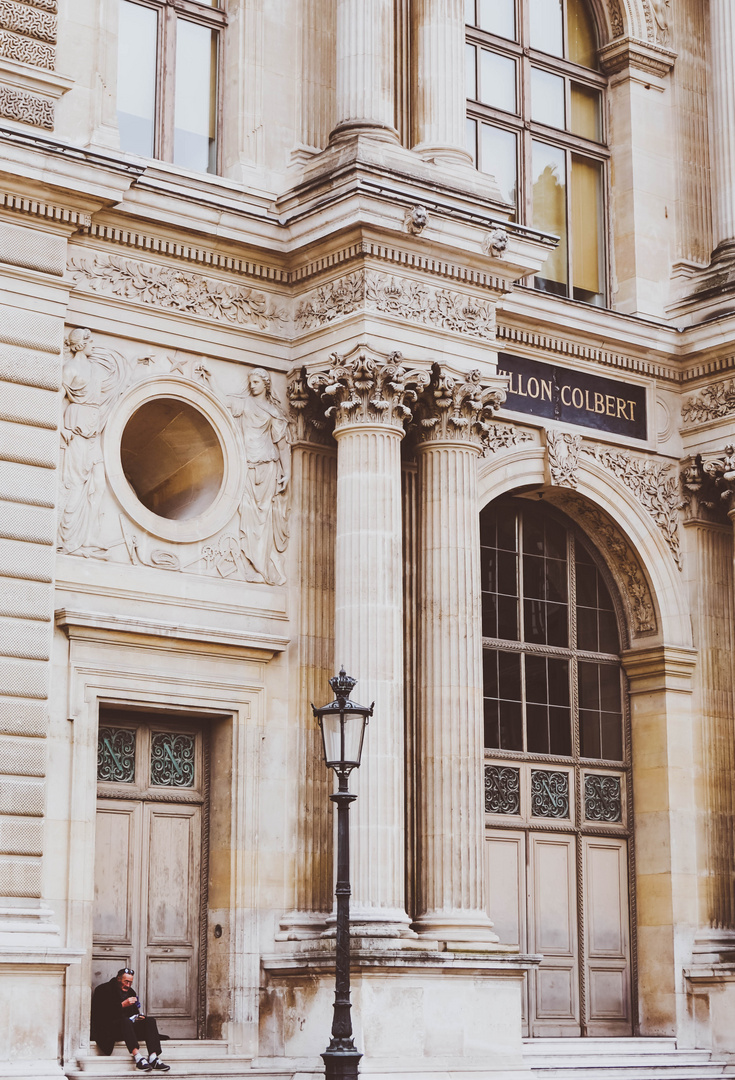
438, 60
314, 485
722, 83
369, 399
365, 98
450, 729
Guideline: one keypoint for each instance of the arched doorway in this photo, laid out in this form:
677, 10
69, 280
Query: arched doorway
557, 768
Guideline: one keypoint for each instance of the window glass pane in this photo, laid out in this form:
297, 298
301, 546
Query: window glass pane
587, 246
497, 80
611, 731
550, 212
581, 35
589, 733
546, 26
547, 98
498, 17
136, 78
499, 157
586, 112
471, 71
469, 12
195, 101
560, 731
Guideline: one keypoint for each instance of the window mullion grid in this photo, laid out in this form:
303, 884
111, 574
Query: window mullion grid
166, 85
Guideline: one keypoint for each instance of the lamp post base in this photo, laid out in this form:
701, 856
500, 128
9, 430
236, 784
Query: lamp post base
341, 1060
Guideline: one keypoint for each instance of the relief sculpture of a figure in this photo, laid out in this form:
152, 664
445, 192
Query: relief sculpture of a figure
263, 513
92, 380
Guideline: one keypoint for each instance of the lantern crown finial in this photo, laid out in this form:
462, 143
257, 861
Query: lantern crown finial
342, 684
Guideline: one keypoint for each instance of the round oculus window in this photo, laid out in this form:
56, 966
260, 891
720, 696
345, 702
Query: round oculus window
172, 458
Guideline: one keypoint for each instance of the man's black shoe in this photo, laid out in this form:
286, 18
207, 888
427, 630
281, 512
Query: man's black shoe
144, 1065
161, 1066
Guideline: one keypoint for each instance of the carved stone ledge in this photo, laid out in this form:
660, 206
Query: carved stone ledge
626, 53
28, 94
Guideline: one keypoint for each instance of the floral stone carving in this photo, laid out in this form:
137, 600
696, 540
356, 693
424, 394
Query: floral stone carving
563, 452
363, 389
457, 407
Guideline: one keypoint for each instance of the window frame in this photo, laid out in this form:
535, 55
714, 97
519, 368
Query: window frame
168, 13
527, 130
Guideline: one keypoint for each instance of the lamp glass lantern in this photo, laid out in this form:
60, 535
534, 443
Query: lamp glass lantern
342, 723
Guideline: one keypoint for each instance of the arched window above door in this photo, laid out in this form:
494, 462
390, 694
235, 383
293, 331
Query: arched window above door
536, 121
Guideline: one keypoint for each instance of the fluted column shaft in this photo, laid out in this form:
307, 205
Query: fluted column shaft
369, 643
365, 98
438, 62
452, 830
722, 67
370, 399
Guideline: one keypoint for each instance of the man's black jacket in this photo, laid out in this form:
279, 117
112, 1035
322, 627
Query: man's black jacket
108, 1011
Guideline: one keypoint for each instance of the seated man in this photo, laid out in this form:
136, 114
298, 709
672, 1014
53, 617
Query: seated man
116, 1015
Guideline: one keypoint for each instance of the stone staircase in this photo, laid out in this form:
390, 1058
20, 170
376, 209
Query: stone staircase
189, 1058
620, 1059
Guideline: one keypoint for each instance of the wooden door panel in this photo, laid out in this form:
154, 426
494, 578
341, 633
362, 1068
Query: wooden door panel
552, 929
607, 944
117, 862
173, 873
505, 875
170, 987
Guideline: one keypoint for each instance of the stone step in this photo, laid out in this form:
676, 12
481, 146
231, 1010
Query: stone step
620, 1059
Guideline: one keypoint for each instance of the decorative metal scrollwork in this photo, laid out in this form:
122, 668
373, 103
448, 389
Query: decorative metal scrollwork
172, 760
549, 794
116, 755
603, 799
502, 790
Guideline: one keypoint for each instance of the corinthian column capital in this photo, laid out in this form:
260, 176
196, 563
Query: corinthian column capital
368, 390
458, 409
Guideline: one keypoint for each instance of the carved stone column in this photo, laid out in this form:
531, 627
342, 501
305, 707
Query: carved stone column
365, 99
710, 489
450, 725
314, 487
370, 399
438, 61
722, 83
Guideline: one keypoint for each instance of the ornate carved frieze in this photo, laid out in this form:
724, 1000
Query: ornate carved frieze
252, 545
635, 589
367, 389
406, 299
178, 290
709, 485
455, 408
563, 452
711, 403
654, 486
616, 17
503, 436
26, 108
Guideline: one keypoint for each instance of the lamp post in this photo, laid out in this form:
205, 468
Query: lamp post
342, 724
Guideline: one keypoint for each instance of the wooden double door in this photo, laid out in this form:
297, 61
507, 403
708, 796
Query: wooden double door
564, 894
148, 865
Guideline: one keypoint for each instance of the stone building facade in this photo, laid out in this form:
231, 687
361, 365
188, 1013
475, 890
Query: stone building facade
398, 335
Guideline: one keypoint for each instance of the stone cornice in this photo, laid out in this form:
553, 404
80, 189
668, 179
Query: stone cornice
626, 53
662, 667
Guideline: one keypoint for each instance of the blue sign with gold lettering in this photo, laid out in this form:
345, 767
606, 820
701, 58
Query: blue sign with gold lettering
574, 397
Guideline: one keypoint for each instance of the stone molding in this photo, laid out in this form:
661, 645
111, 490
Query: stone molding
368, 389
28, 30
662, 667
403, 298
455, 409
626, 53
177, 290
48, 211
654, 486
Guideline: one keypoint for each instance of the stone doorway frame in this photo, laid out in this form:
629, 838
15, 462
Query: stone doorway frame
135, 663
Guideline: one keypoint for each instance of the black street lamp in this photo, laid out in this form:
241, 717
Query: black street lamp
343, 724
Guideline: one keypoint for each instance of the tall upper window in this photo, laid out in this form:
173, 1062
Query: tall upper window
551, 646
167, 80
536, 121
